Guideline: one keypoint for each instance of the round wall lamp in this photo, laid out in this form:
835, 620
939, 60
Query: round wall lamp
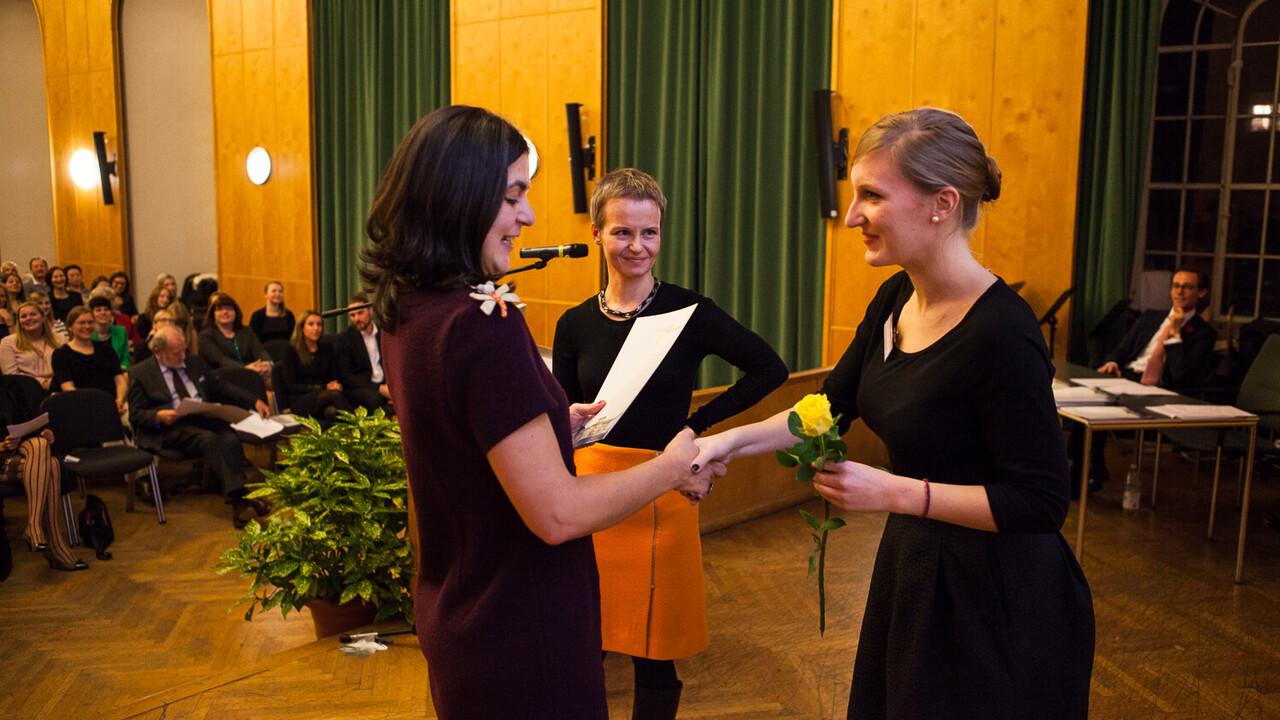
84, 168
258, 165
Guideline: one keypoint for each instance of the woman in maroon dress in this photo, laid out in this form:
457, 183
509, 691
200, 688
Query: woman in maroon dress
507, 604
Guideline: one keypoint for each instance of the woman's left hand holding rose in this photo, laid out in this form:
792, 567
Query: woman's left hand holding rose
854, 486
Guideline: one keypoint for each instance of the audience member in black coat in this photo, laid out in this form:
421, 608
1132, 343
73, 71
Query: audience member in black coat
1173, 350
154, 396
360, 353
85, 364
226, 342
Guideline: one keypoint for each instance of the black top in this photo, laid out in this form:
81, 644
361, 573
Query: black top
62, 306
269, 328
509, 625
97, 371
587, 343
300, 378
962, 622
218, 350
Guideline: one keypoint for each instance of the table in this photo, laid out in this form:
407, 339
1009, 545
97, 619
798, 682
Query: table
1152, 421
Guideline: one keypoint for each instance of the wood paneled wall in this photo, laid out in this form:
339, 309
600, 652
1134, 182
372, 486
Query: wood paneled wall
82, 91
262, 96
1015, 70
524, 59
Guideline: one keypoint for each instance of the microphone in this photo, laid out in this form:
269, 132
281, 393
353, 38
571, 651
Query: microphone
575, 250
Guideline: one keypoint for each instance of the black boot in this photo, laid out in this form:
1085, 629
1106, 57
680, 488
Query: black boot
655, 704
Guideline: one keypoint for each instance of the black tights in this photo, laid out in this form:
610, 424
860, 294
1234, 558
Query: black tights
654, 674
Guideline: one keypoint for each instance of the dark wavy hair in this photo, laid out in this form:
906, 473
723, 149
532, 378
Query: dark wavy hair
435, 204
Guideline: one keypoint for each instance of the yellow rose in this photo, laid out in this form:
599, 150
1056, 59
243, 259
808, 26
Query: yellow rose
815, 414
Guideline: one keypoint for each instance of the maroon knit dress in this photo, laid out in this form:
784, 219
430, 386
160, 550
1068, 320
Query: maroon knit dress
510, 625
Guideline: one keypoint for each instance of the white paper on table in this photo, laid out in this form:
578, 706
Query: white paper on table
1104, 412
1199, 412
1120, 386
21, 430
646, 345
1079, 395
258, 426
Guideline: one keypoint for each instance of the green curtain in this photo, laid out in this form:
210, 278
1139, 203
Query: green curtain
1124, 37
379, 65
714, 98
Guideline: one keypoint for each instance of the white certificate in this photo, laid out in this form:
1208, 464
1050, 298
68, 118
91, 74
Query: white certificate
642, 352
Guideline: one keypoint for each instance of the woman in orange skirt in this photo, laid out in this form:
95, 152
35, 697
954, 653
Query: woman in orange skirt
651, 596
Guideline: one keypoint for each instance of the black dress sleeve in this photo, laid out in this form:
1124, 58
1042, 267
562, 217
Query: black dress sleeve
256, 319
763, 370
1014, 405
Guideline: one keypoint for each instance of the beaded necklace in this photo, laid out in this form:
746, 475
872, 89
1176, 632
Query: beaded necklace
604, 308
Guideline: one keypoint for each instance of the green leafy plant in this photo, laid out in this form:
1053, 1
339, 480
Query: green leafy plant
340, 527
820, 440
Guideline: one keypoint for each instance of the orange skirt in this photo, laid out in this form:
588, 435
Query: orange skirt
651, 594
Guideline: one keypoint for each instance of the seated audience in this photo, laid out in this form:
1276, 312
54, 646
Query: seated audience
186, 323
273, 321
360, 354
15, 295
46, 306
226, 342
158, 385
75, 282
37, 278
123, 320
106, 329
121, 286
29, 461
29, 349
1172, 349
62, 298
311, 372
159, 299
84, 363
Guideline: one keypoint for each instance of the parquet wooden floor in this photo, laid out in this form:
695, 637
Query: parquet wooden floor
147, 634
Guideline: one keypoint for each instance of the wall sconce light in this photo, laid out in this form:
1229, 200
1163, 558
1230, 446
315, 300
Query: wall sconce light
258, 165
84, 168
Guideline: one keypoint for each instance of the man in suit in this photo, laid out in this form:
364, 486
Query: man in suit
1173, 350
156, 387
360, 360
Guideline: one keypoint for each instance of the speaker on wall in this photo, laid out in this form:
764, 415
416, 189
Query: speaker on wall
106, 167
833, 163
582, 159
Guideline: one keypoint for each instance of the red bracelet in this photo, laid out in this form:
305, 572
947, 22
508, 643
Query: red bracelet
925, 514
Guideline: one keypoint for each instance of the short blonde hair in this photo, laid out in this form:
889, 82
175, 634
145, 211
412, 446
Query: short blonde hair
935, 149
626, 184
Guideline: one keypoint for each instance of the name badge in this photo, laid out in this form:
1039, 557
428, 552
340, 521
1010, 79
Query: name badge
888, 336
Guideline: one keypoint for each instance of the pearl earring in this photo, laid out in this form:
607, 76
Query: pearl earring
933, 219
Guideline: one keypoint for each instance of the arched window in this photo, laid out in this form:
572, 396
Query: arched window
1213, 184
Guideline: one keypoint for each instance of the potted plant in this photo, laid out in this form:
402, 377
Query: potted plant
338, 536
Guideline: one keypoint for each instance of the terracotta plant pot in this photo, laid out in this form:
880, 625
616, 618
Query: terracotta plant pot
331, 618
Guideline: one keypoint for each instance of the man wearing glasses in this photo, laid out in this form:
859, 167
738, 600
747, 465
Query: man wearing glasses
1173, 350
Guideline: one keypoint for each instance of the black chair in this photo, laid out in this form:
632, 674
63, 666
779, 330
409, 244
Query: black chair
83, 421
1259, 394
278, 387
251, 381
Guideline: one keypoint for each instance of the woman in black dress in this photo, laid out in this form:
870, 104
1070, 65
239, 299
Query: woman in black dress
273, 321
311, 372
507, 603
651, 588
60, 298
86, 364
977, 606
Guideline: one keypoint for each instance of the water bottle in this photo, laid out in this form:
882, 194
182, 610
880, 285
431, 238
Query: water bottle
1132, 491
